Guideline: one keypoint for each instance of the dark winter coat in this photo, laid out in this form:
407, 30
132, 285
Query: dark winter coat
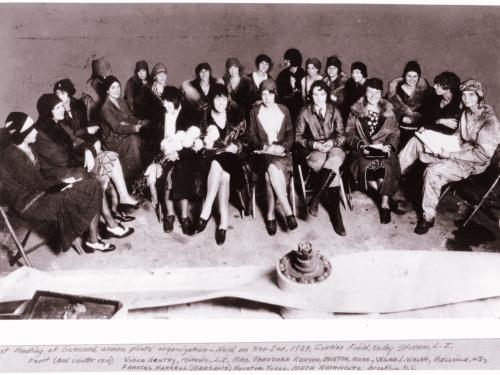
36, 197
405, 105
431, 111
120, 135
60, 152
352, 92
132, 90
287, 95
358, 136
241, 95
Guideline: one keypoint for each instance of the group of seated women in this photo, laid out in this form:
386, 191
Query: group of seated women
213, 137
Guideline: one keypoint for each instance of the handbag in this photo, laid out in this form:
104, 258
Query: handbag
375, 153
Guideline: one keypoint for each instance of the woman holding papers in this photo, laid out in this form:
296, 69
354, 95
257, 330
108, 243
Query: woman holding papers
478, 135
271, 137
373, 137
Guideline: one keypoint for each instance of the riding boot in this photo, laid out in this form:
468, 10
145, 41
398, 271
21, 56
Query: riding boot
326, 177
334, 203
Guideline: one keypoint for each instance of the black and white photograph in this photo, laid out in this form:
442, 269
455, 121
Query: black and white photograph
249, 161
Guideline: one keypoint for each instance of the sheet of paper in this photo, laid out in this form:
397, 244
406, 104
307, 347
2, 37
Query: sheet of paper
435, 141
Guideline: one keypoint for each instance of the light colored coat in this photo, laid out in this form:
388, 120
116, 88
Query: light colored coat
479, 137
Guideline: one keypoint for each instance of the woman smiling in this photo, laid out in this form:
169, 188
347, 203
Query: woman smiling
120, 130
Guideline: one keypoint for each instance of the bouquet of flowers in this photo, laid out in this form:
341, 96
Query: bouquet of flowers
170, 146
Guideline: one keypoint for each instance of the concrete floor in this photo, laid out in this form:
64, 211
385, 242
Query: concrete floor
249, 244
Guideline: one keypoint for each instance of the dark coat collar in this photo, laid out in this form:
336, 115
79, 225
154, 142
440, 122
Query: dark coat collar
54, 131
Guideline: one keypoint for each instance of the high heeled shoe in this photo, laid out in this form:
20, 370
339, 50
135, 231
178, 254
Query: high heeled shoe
423, 226
122, 216
168, 223
186, 225
291, 222
385, 215
201, 224
127, 206
220, 236
119, 231
271, 227
103, 247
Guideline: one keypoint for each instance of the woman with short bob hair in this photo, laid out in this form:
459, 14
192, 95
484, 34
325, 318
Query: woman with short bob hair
177, 163
224, 126
320, 136
271, 138
313, 67
264, 65
288, 82
440, 109
372, 136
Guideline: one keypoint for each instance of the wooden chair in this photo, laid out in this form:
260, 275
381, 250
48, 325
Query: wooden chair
304, 184
291, 196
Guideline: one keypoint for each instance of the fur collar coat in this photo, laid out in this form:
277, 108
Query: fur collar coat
407, 105
387, 132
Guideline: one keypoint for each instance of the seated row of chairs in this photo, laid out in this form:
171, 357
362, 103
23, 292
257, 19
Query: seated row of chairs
363, 147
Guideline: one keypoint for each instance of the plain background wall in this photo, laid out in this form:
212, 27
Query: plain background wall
41, 43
